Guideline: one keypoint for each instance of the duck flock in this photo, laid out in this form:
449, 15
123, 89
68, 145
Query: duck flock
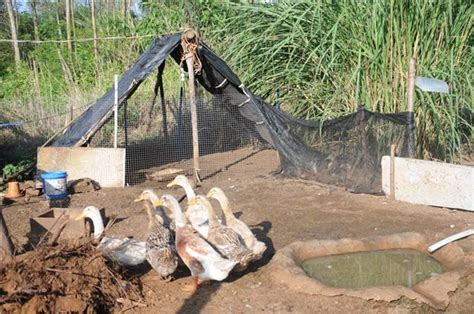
209, 247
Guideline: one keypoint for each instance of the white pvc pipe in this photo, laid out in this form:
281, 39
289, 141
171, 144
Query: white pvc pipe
450, 239
115, 110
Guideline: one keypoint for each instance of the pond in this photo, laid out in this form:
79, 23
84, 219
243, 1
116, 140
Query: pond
405, 267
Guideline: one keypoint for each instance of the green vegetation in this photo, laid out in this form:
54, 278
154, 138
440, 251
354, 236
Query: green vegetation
15, 171
323, 57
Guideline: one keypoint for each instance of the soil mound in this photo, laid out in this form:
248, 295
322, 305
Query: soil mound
66, 277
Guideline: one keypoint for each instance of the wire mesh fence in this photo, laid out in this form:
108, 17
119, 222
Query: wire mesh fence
20, 136
159, 135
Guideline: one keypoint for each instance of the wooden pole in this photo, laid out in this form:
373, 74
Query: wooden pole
125, 117
189, 57
5, 244
68, 26
393, 149
115, 110
410, 101
163, 106
94, 34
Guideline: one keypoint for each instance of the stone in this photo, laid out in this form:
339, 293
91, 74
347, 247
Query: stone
32, 192
29, 184
165, 174
83, 185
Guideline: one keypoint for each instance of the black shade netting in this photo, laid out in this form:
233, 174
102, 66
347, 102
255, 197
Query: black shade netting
345, 151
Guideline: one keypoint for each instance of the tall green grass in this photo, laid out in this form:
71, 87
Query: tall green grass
325, 57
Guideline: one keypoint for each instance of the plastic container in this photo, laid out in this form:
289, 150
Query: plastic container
55, 184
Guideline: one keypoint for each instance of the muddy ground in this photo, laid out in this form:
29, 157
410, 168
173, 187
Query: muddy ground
280, 211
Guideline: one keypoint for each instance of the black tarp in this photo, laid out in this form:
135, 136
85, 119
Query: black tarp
344, 151
79, 132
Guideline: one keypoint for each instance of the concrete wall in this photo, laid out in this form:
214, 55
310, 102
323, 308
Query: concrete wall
430, 182
104, 165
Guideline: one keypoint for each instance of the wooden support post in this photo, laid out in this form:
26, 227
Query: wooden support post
125, 122
393, 149
410, 101
115, 110
189, 57
163, 107
5, 244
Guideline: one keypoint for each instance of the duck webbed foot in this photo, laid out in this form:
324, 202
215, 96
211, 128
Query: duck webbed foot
192, 287
169, 278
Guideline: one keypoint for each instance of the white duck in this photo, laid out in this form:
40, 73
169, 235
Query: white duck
228, 242
125, 251
257, 247
195, 213
204, 262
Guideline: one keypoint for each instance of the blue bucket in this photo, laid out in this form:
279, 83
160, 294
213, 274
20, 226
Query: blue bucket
55, 184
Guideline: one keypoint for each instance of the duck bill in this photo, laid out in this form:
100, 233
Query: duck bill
210, 194
158, 203
81, 216
138, 199
193, 202
172, 183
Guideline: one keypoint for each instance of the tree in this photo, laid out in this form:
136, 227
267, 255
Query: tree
13, 30
35, 19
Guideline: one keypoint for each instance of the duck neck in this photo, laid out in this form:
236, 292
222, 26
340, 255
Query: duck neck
179, 218
97, 223
150, 212
228, 214
189, 191
212, 215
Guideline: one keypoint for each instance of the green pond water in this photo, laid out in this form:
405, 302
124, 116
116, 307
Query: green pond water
400, 267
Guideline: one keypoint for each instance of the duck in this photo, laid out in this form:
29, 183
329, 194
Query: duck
160, 243
257, 247
228, 242
163, 218
125, 251
204, 262
196, 214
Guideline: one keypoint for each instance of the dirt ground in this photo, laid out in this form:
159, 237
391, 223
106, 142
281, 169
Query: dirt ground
280, 211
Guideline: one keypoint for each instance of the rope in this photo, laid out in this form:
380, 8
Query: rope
191, 51
60, 41
222, 83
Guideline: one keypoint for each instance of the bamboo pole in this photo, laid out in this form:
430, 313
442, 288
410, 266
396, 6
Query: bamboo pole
410, 102
115, 110
393, 149
189, 57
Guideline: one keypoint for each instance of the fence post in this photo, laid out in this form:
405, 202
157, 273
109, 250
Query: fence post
190, 36
393, 149
115, 110
411, 115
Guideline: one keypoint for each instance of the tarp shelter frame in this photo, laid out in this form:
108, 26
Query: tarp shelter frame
273, 125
